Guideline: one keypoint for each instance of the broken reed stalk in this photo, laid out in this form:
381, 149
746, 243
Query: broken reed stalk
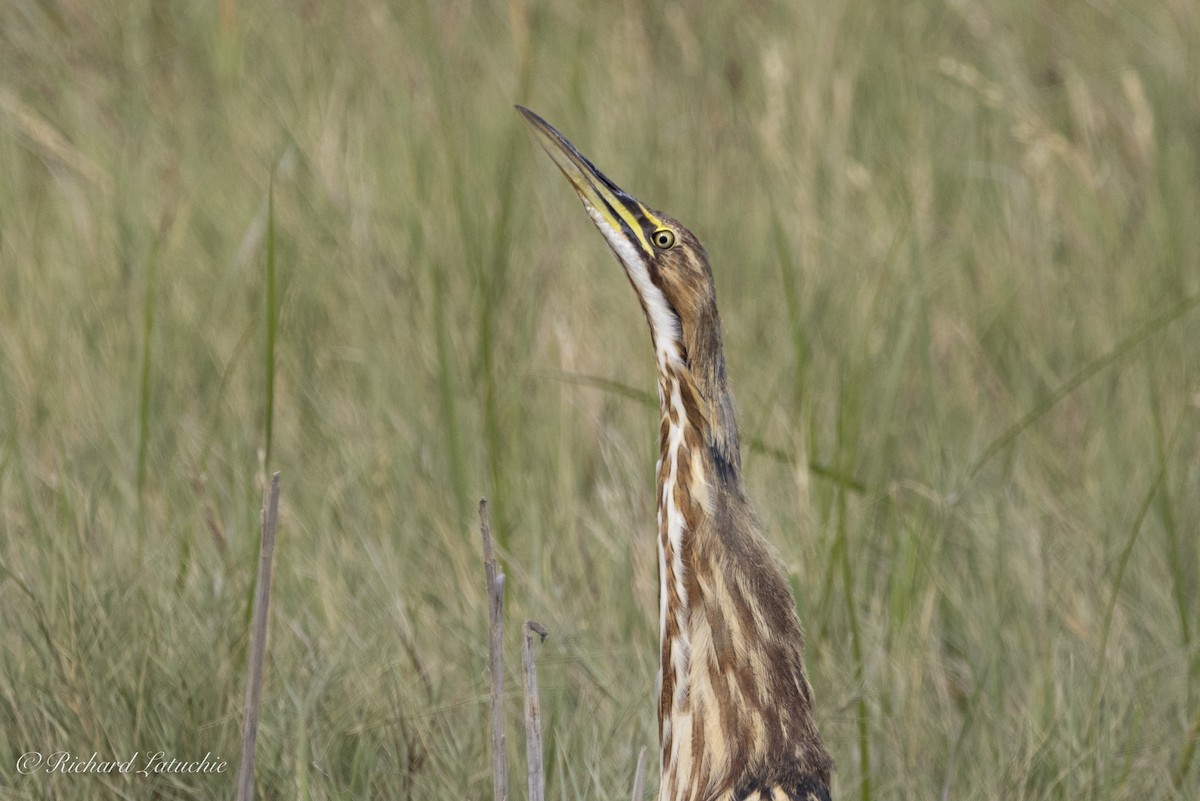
495, 594
533, 714
639, 775
258, 640
533, 706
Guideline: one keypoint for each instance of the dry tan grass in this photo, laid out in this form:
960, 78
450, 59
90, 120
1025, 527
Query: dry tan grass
928, 222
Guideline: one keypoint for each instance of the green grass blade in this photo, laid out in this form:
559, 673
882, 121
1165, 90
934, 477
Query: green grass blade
1089, 370
146, 366
272, 324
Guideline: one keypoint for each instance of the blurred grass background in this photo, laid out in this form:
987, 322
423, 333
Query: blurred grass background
956, 248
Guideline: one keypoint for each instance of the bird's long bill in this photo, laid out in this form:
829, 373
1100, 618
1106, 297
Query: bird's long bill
606, 202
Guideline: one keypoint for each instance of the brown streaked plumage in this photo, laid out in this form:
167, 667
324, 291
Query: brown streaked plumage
735, 709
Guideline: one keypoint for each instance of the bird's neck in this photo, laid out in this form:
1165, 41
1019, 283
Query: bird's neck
692, 391
683, 495
732, 683
695, 473
699, 469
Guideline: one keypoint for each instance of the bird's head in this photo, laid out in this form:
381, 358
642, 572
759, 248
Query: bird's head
669, 270
665, 263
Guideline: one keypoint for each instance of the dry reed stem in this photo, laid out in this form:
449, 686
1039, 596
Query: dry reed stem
495, 594
258, 640
533, 714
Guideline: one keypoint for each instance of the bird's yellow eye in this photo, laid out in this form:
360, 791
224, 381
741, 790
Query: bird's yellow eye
664, 239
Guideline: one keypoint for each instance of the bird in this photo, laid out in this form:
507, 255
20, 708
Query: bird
735, 707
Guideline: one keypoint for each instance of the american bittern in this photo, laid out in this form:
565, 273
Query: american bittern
735, 709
